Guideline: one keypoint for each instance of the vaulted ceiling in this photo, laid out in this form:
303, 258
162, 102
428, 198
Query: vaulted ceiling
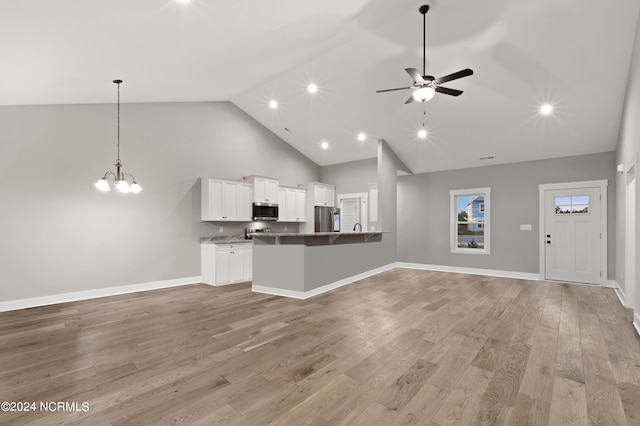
572, 54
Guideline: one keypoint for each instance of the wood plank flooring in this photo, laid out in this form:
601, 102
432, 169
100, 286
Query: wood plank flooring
402, 347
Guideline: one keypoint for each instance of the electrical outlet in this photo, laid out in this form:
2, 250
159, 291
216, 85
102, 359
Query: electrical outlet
285, 227
221, 229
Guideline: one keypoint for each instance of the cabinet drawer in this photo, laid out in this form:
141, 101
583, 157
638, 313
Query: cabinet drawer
234, 246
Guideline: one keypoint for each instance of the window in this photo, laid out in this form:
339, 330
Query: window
470, 220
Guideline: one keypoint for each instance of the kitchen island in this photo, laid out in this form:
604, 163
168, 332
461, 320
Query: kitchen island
302, 265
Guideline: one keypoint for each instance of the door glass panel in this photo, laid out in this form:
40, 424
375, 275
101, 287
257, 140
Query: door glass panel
580, 199
575, 204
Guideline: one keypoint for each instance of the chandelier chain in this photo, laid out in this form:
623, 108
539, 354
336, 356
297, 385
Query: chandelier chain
118, 122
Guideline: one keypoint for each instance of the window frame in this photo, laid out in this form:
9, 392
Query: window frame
453, 229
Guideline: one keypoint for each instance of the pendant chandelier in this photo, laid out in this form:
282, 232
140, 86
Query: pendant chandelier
119, 176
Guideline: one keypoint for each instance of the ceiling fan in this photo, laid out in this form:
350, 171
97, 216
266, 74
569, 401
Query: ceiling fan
427, 85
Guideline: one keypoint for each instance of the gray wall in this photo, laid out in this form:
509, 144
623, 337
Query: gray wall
388, 166
423, 210
626, 154
351, 177
59, 234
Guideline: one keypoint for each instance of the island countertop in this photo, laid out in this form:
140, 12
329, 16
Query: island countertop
316, 238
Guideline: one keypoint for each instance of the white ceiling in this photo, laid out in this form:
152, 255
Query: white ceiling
574, 54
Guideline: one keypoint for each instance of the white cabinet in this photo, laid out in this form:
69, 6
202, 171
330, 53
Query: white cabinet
224, 264
373, 202
225, 200
324, 195
265, 190
291, 204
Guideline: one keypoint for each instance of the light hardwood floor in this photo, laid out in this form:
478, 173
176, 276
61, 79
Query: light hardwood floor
402, 347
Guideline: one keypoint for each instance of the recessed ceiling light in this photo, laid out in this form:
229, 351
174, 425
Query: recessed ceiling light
183, 1
362, 137
312, 88
273, 104
422, 134
546, 109
324, 145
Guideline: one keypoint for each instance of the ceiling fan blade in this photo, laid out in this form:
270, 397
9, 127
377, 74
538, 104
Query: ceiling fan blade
456, 75
391, 90
447, 91
415, 74
410, 100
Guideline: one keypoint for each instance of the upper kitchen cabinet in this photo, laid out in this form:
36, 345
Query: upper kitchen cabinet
323, 194
291, 204
265, 190
225, 200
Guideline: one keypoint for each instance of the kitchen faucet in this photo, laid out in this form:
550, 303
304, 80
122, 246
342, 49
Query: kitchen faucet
357, 224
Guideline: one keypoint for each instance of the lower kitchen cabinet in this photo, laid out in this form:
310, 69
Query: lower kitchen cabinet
224, 264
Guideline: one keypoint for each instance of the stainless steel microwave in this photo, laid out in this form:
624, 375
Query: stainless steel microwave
265, 211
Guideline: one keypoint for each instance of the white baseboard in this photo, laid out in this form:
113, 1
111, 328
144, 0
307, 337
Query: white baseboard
12, 305
316, 291
619, 292
611, 284
472, 271
636, 322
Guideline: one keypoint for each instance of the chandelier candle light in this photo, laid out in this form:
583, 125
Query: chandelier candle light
119, 176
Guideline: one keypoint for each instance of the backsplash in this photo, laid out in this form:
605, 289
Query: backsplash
229, 229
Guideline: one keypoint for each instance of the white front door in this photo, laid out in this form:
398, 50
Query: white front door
572, 235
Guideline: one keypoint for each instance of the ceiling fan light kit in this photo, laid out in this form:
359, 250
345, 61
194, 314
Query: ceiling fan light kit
426, 86
424, 94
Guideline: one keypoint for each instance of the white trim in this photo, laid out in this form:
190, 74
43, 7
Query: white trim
453, 217
471, 271
630, 219
619, 292
33, 302
316, 291
636, 322
602, 184
364, 212
354, 195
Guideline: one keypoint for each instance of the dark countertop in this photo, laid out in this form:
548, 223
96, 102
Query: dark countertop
234, 239
317, 238
315, 234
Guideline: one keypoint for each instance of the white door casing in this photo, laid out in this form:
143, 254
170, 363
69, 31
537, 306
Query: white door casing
353, 209
573, 240
630, 240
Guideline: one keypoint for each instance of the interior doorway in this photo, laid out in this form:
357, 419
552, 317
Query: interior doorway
353, 210
573, 232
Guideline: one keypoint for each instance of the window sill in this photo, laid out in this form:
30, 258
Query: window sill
470, 251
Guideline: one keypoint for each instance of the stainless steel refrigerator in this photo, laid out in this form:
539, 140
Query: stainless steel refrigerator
327, 219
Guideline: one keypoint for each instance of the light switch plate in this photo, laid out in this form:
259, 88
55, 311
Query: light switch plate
526, 227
